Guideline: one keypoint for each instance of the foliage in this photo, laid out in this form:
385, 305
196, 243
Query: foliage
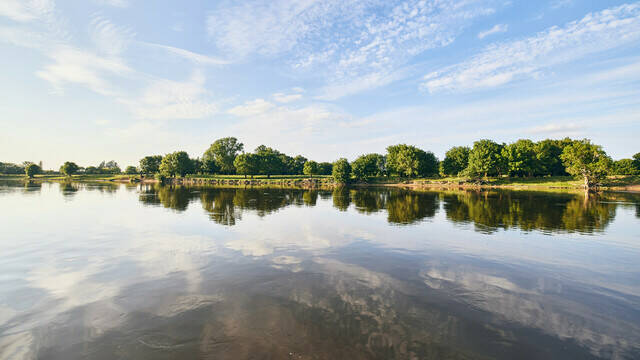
108, 167
176, 163
130, 170
9, 168
485, 159
548, 157
367, 166
32, 169
636, 161
625, 167
586, 160
325, 168
455, 160
69, 168
246, 164
269, 161
310, 168
223, 152
297, 167
520, 158
150, 164
341, 171
409, 161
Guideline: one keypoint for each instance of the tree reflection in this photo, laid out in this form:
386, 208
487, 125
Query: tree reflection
490, 211
69, 189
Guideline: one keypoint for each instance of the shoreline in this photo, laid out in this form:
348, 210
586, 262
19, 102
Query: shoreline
617, 184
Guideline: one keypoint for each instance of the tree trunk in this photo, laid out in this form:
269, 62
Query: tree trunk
586, 182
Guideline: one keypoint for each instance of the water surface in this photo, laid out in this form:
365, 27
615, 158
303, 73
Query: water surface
149, 272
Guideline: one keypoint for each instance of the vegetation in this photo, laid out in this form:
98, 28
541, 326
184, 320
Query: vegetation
486, 162
69, 168
586, 160
32, 169
150, 164
341, 171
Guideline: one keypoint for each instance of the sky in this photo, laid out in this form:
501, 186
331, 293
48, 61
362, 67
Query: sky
94, 80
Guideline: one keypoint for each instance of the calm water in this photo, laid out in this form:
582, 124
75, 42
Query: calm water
148, 272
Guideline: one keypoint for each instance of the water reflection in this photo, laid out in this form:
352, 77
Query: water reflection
315, 274
488, 211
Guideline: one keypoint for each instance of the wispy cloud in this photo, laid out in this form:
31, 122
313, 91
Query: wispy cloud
167, 99
110, 39
496, 29
556, 4
557, 129
501, 63
116, 3
286, 98
199, 59
75, 66
345, 42
26, 10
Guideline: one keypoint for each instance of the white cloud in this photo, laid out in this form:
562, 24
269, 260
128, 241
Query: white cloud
505, 62
251, 108
557, 129
496, 29
166, 99
26, 10
557, 4
189, 55
75, 66
286, 98
109, 38
116, 3
342, 41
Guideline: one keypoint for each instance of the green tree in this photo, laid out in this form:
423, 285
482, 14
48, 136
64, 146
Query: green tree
246, 164
586, 160
485, 159
625, 167
636, 161
310, 168
409, 161
69, 168
130, 170
341, 171
548, 157
32, 169
176, 163
520, 158
269, 161
298, 165
367, 166
325, 168
223, 152
150, 164
455, 160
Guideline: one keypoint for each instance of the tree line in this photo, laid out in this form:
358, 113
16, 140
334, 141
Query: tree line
486, 158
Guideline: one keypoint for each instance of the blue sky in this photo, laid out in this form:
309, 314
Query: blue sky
120, 79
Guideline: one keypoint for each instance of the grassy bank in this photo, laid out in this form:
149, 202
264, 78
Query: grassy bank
627, 183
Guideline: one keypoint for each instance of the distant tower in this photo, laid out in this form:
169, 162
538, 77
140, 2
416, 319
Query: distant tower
40, 164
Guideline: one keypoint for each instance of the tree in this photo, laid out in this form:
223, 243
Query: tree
246, 164
409, 161
269, 161
69, 168
367, 166
636, 161
520, 158
341, 171
109, 167
32, 169
625, 167
325, 168
130, 170
455, 160
310, 168
485, 159
548, 157
150, 164
176, 163
223, 152
298, 165
586, 160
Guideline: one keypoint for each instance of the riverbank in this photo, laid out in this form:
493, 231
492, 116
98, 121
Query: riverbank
612, 183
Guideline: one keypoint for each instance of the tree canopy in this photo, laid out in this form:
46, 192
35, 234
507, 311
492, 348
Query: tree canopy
176, 163
409, 161
69, 168
310, 168
32, 169
455, 160
485, 159
223, 152
150, 164
342, 171
586, 160
367, 166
